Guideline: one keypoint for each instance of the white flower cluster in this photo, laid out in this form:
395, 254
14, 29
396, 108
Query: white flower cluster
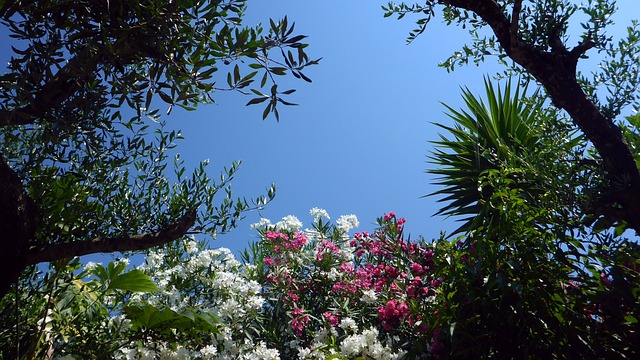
289, 223
367, 345
347, 222
161, 351
319, 214
213, 281
261, 225
224, 290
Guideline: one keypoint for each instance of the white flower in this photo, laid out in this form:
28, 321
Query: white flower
369, 296
333, 274
230, 309
154, 260
90, 266
289, 223
352, 345
347, 222
261, 352
348, 323
255, 302
262, 224
319, 214
147, 354
190, 246
208, 352
203, 259
124, 261
303, 353
120, 322
130, 354
367, 345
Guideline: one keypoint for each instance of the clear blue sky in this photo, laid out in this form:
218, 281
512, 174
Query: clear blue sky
358, 141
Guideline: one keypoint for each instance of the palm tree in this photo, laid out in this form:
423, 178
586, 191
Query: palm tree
533, 262
509, 140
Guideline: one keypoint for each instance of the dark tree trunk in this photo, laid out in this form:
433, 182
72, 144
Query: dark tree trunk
556, 71
17, 226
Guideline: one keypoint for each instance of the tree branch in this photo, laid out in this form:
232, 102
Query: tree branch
581, 48
515, 19
81, 69
51, 95
556, 71
52, 252
17, 225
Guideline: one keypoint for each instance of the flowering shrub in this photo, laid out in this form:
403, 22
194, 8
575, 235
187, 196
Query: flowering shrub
320, 293
332, 296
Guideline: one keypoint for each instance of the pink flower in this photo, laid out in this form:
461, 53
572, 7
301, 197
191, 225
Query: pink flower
392, 313
332, 318
391, 272
298, 240
292, 296
269, 261
299, 321
275, 235
416, 268
298, 311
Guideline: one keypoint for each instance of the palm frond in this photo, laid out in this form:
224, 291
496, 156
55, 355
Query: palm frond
488, 134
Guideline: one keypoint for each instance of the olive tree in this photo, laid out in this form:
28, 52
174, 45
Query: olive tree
85, 165
531, 38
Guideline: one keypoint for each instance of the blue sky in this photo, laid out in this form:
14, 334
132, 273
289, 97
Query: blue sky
358, 141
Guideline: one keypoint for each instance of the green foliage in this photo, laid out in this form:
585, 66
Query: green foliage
125, 56
165, 324
530, 277
70, 306
546, 25
81, 128
510, 147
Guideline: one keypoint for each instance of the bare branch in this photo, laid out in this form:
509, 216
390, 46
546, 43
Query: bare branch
582, 48
515, 19
52, 252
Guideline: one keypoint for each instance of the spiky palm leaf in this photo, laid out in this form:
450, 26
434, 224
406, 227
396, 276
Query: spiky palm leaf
494, 134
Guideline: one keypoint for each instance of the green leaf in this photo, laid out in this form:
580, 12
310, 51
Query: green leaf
134, 280
166, 98
164, 320
257, 100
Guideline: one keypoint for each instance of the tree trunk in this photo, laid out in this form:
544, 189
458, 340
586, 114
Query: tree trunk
556, 71
17, 226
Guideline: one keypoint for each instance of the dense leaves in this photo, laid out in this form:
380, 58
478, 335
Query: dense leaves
534, 35
530, 264
88, 156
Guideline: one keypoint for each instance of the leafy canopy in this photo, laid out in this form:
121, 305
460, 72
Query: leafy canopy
90, 161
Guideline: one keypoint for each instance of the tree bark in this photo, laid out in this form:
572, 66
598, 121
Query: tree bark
51, 252
17, 226
556, 71
18, 223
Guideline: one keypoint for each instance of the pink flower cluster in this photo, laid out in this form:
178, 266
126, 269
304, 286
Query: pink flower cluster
332, 318
325, 246
299, 321
392, 314
391, 275
281, 240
